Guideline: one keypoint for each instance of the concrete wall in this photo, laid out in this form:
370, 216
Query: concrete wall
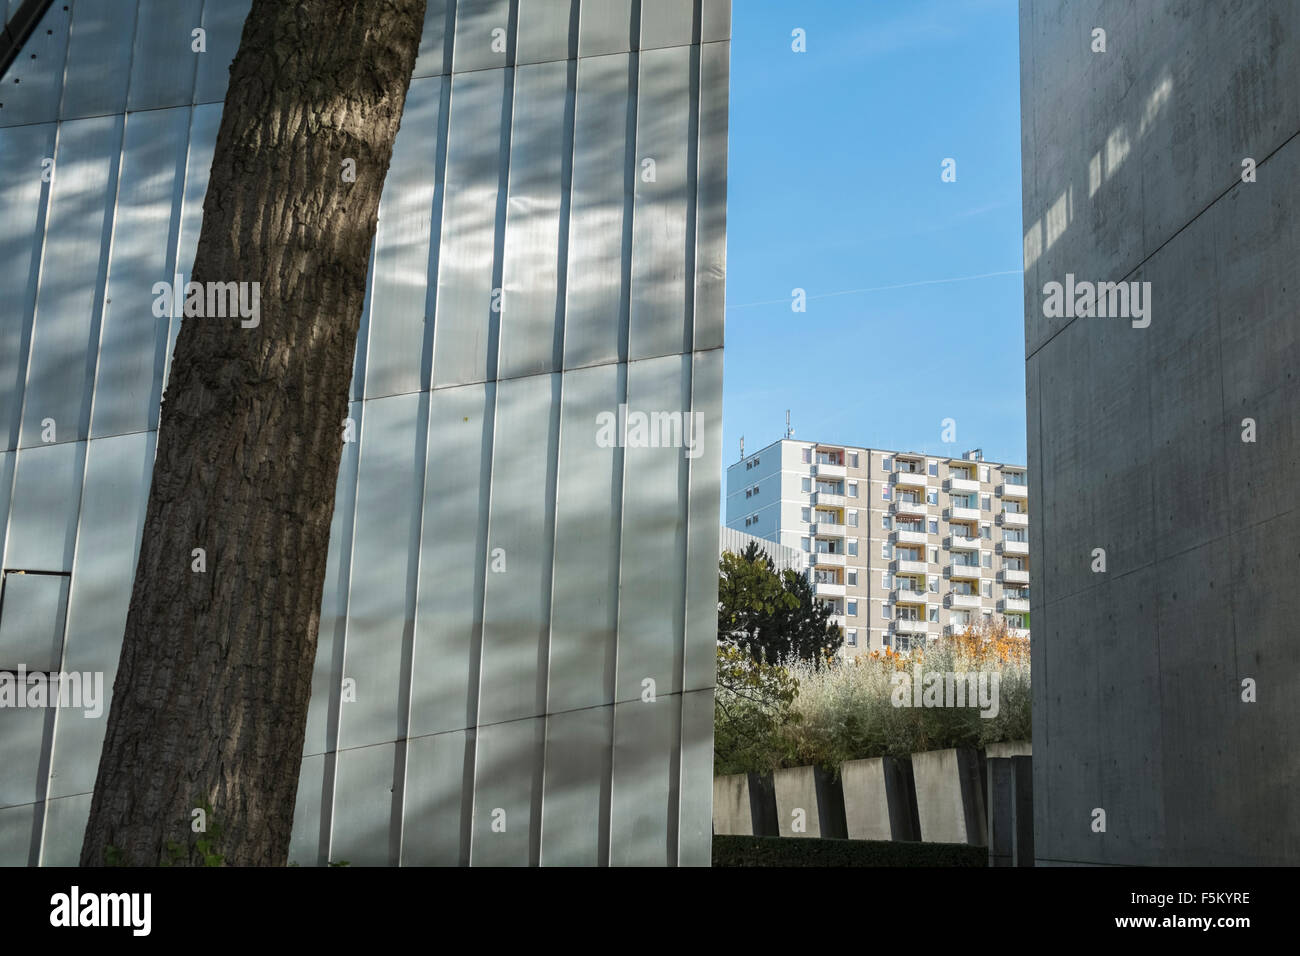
1132, 162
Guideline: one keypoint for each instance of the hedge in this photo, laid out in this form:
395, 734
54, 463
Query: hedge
810, 851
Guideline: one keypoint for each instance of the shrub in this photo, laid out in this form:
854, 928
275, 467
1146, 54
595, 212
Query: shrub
847, 711
784, 851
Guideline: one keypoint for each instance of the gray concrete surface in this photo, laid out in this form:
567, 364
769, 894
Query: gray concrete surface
950, 796
1132, 171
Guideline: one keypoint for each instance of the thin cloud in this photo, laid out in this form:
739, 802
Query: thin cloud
882, 288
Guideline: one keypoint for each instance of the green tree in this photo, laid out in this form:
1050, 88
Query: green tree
750, 705
773, 616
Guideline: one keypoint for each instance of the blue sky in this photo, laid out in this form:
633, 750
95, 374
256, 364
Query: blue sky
834, 185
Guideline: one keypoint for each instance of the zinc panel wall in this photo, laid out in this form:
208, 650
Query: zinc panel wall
525, 282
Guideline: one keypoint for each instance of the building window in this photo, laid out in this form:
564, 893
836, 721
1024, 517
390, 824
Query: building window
884, 492
886, 550
805, 484
986, 588
853, 459
986, 532
807, 545
932, 613
853, 489
932, 497
807, 456
851, 637
884, 611
988, 558
749, 464
934, 555
934, 526
984, 472
852, 576
887, 464
853, 519
853, 608
805, 514
934, 584
934, 469
853, 547
885, 522
756, 461
985, 504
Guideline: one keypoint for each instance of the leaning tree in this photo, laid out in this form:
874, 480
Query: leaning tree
210, 703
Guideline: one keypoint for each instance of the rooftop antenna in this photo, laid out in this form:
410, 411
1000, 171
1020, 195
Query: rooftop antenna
742, 447
789, 432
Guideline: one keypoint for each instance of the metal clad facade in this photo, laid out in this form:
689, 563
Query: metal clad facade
515, 656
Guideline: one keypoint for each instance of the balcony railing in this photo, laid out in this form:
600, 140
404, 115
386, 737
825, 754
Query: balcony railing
1014, 519
906, 479
1009, 490
903, 536
1015, 547
909, 595
1012, 576
826, 470
963, 485
963, 600
828, 589
957, 542
911, 627
908, 566
828, 559
1017, 605
966, 571
828, 529
828, 499
962, 513
905, 507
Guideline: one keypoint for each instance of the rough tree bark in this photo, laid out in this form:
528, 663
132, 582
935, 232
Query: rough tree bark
210, 702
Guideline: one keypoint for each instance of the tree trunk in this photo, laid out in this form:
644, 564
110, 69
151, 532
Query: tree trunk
210, 703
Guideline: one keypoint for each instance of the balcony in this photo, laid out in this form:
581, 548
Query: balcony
1020, 632
966, 571
827, 559
908, 479
1014, 519
963, 600
836, 620
1015, 547
905, 595
909, 537
827, 499
821, 470
906, 566
957, 542
957, 513
963, 486
826, 589
1019, 492
1014, 605
1012, 576
827, 529
956, 627
904, 507
911, 627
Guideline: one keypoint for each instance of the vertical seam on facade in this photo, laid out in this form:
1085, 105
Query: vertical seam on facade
493, 363
686, 465
605, 837
557, 363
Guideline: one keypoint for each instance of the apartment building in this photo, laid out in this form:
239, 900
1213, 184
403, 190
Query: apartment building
904, 546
